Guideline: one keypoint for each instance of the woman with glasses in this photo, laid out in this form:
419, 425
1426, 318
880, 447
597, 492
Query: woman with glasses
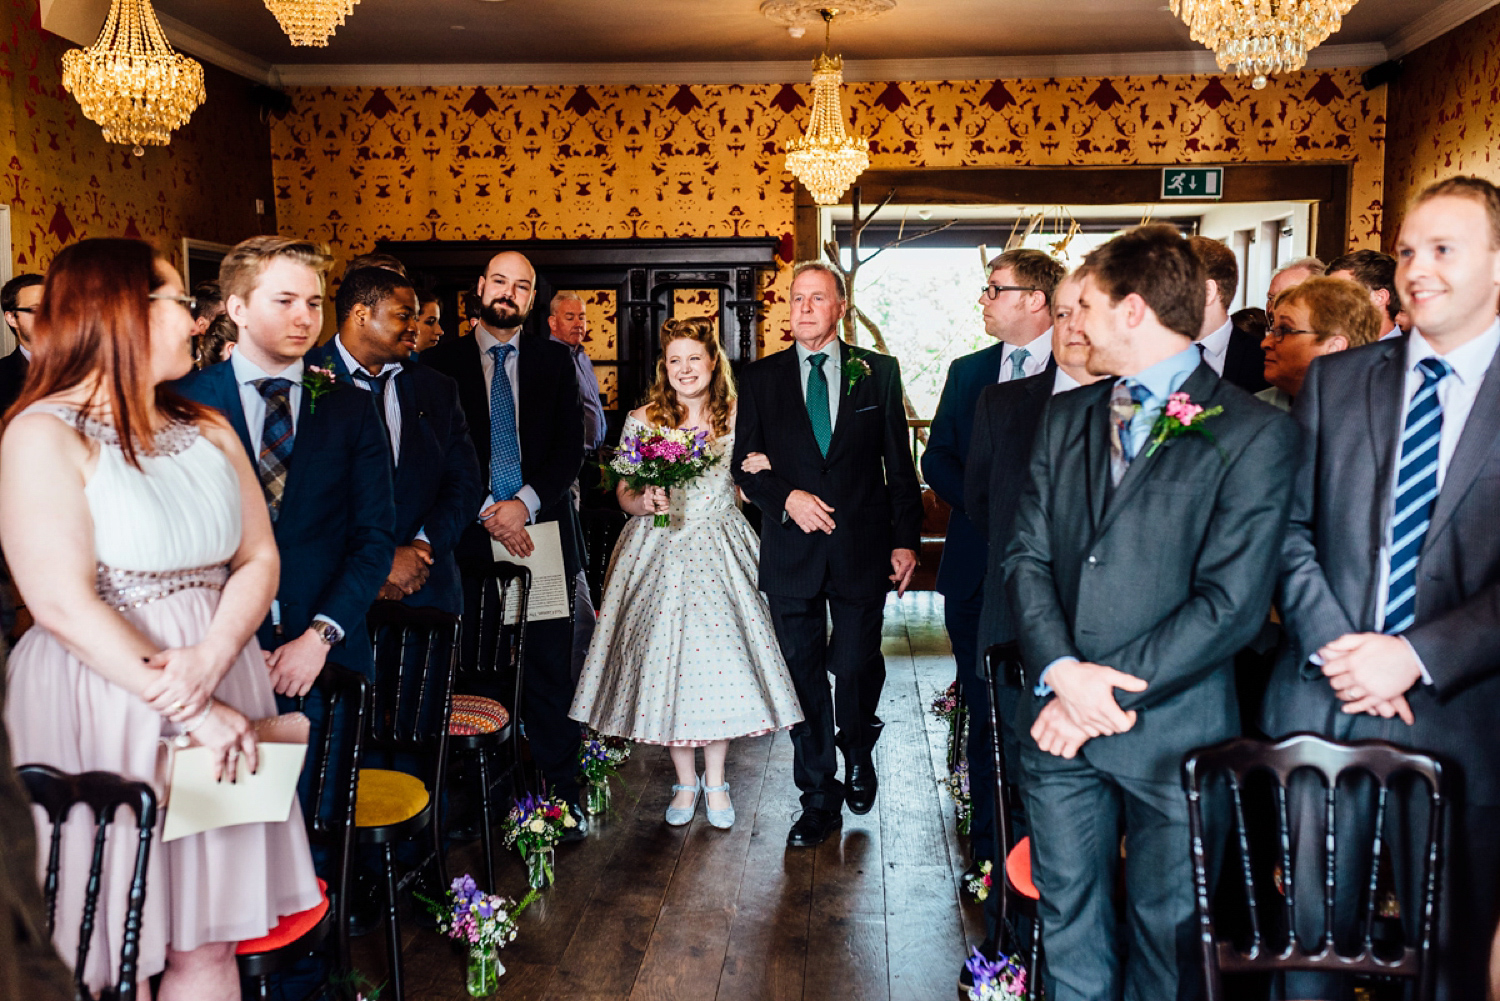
135, 529
1317, 317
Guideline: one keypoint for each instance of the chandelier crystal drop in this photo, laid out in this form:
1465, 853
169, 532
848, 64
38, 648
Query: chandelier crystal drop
131, 82
827, 159
310, 22
1261, 37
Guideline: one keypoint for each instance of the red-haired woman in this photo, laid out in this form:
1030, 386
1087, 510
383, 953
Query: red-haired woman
136, 531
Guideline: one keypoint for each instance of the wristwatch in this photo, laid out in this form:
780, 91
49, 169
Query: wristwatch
328, 632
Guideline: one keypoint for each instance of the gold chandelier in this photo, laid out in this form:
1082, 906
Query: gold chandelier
1260, 37
130, 81
310, 22
827, 159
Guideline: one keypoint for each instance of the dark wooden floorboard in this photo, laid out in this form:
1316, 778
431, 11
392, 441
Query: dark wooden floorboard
646, 912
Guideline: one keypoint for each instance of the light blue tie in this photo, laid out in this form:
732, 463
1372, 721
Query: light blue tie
1416, 490
505, 447
1018, 363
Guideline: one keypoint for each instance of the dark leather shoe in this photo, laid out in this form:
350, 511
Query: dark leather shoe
573, 835
860, 784
813, 828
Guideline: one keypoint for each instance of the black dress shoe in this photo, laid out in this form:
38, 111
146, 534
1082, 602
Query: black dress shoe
813, 828
573, 835
860, 784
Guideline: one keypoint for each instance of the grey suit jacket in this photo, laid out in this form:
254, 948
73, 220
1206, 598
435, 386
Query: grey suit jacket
1164, 576
1350, 408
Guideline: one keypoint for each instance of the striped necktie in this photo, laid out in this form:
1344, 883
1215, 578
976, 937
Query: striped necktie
1416, 490
505, 445
275, 441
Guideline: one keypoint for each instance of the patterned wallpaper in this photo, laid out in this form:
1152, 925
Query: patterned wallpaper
63, 182
1443, 114
357, 164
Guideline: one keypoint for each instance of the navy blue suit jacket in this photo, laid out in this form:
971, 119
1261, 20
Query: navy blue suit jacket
965, 553
335, 527
437, 480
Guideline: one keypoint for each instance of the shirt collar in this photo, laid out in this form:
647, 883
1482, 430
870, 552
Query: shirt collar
1062, 382
573, 349
1167, 376
1217, 342
246, 371
1039, 349
1470, 362
487, 340
831, 349
353, 366
25, 351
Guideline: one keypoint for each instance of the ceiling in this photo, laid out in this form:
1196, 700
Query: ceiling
431, 37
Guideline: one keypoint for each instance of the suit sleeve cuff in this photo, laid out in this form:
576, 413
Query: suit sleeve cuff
533, 503
1426, 675
1042, 690
336, 627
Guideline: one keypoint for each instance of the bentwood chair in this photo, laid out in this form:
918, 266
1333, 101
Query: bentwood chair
1398, 802
104, 794
1018, 894
491, 646
334, 749
415, 653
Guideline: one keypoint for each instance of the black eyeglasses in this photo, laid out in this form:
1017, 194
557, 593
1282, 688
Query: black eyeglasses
188, 302
993, 291
1281, 332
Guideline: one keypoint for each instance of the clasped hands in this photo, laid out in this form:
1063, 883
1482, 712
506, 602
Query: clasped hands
1371, 673
1084, 706
506, 522
409, 571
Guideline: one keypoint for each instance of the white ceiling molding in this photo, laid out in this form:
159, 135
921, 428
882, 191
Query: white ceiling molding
203, 46
1434, 24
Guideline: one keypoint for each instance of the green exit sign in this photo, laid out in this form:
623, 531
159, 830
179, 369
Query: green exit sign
1192, 183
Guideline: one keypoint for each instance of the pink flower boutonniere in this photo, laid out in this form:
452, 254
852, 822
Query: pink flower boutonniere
1180, 416
317, 381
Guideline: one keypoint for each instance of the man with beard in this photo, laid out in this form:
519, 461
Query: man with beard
520, 396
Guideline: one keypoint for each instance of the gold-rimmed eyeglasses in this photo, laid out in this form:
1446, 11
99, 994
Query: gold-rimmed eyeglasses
188, 302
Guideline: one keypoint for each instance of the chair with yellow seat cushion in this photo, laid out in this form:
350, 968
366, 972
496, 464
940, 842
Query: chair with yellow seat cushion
415, 653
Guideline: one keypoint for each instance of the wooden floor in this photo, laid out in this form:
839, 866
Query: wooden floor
646, 911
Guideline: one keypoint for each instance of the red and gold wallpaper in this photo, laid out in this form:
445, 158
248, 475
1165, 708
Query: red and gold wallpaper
63, 182
1442, 114
358, 164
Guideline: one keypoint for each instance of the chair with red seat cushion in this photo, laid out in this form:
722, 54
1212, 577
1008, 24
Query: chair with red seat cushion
1018, 870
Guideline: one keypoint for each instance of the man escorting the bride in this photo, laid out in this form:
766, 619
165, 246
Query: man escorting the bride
842, 519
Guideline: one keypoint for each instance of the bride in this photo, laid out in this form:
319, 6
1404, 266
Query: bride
684, 653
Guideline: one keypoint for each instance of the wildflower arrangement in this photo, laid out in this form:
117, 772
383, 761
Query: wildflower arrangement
535, 826
1179, 417
978, 886
600, 757
316, 381
1001, 980
660, 457
947, 707
476, 918
957, 785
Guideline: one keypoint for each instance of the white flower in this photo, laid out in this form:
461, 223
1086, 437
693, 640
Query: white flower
568, 820
537, 824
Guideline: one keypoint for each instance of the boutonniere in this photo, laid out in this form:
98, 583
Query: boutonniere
1180, 416
855, 369
317, 381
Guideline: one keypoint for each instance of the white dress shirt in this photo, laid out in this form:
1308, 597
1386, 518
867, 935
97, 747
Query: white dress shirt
25, 351
1216, 347
247, 372
1038, 353
390, 397
1062, 381
833, 371
486, 340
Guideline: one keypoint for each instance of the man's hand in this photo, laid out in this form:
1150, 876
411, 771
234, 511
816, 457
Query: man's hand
903, 565
1055, 733
1087, 694
809, 512
389, 592
506, 523
410, 567
296, 665
1371, 671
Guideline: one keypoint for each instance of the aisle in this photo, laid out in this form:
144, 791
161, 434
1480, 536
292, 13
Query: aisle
646, 911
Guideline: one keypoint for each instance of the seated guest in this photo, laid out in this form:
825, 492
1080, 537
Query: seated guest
429, 321
1377, 273
132, 522
1138, 567
20, 297
1233, 354
1291, 274
437, 485
1316, 318
216, 343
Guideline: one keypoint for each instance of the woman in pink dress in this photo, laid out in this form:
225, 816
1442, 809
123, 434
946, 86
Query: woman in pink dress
138, 537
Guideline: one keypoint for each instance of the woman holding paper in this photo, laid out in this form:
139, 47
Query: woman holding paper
137, 534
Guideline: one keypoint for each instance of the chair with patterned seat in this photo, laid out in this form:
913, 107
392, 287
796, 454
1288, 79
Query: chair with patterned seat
492, 645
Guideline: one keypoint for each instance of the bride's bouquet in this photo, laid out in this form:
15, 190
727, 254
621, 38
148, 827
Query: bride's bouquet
660, 457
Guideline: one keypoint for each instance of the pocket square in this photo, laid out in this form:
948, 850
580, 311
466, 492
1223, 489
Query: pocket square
865, 410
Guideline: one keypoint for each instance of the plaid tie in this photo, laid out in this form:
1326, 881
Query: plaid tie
817, 402
1124, 401
505, 446
1416, 489
1018, 363
275, 440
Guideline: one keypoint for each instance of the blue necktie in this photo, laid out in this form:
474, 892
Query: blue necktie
505, 446
1018, 363
1124, 402
1416, 490
276, 436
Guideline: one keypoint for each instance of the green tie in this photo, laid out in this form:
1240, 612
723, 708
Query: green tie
817, 402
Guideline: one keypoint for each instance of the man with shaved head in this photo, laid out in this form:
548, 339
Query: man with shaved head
519, 392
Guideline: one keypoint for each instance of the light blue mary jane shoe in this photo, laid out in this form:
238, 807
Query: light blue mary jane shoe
679, 816
722, 819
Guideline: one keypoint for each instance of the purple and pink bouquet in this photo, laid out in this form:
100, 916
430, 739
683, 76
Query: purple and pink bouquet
948, 707
660, 457
957, 784
535, 826
1001, 980
485, 922
599, 758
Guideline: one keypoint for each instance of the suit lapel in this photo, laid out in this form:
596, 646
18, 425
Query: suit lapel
846, 396
227, 391
1475, 444
406, 395
309, 430
474, 396
1387, 387
791, 381
1096, 455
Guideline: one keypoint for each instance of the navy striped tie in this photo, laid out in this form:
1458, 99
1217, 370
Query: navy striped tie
1416, 490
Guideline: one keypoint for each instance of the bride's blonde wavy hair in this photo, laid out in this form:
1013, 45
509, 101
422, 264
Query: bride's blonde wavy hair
662, 406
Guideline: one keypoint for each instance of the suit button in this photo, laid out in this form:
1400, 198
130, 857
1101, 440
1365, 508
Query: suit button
1093, 561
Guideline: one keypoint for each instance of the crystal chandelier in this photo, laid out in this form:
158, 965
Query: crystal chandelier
1260, 37
310, 22
827, 159
130, 81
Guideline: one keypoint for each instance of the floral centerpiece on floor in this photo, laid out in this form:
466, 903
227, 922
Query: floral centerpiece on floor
486, 923
600, 757
535, 826
948, 706
1003, 979
957, 785
660, 457
978, 885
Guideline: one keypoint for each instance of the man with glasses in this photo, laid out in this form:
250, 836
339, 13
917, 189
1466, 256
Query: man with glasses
20, 298
1017, 310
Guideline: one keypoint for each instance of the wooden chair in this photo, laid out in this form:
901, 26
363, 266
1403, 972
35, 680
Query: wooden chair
1273, 944
104, 793
333, 758
1018, 894
492, 645
415, 653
